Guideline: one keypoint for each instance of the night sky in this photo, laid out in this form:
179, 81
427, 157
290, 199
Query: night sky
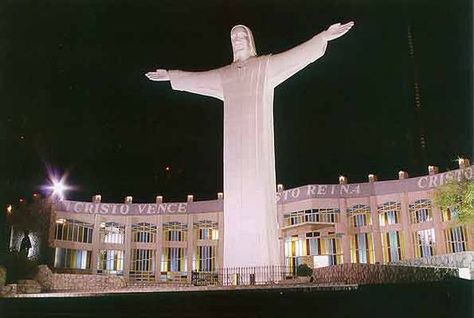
74, 97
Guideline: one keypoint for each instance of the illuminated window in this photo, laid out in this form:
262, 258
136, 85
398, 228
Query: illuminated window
359, 215
455, 239
389, 213
294, 249
295, 246
294, 218
142, 265
72, 230
143, 233
420, 211
330, 215
205, 258
332, 248
111, 232
72, 259
206, 230
173, 259
362, 248
314, 244
449, 214
329, 245
110, 262
392, 246
175, 231
424, 243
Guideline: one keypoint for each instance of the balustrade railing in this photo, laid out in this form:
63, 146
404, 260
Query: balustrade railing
258, 275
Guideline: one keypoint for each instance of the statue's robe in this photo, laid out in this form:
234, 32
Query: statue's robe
246, 87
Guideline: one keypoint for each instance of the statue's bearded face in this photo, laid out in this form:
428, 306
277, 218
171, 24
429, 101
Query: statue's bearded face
240, 40
243, 45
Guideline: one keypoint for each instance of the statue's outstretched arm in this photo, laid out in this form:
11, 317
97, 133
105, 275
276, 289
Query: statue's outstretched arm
206, 83
158, 75
285, 64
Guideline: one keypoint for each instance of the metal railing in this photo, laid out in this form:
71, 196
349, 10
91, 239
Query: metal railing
142, 277
237, 276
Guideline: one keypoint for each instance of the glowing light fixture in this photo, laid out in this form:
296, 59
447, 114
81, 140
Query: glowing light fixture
60, 221
463, 162
58, 187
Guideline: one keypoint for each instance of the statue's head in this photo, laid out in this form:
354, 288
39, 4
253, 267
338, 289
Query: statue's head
243, 44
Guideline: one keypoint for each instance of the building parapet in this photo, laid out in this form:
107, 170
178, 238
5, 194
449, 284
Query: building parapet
312, 191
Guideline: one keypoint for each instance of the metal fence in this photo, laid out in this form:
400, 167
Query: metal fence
337, 274
258, 275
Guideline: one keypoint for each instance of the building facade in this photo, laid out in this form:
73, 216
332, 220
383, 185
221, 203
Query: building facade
319, 225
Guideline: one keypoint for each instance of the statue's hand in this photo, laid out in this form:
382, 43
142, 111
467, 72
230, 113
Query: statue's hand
337, 30
158, 75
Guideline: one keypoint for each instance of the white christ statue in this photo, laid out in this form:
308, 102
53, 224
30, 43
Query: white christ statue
246, 86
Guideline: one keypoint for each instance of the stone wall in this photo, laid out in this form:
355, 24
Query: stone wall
9, 290
44, 277
379, 274
50, 281
462, 259
87, 282
28, 286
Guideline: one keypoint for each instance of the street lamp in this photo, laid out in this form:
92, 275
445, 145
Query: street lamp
58, 187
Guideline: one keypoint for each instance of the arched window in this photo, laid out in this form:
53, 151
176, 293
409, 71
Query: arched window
143, 232
175, 231
449, 214
112, 232
389, 213
206, 230
420, 211
359, 215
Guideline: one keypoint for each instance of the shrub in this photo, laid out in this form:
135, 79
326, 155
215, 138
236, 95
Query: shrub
304, 270
19, 267
457, 195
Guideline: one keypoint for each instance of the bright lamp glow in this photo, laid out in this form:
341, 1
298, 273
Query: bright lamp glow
58, 188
